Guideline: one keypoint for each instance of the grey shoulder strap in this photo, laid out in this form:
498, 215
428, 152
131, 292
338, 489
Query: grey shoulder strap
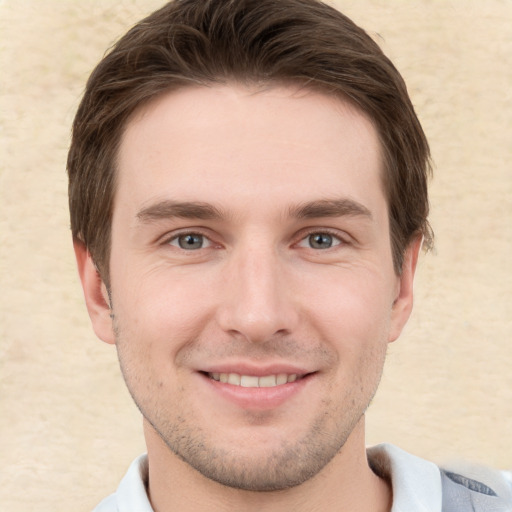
462, 494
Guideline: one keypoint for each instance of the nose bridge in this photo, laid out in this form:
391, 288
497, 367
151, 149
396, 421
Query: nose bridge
256, 302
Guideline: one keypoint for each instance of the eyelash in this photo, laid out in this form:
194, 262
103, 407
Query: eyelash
334, 234
303, 237
177, 236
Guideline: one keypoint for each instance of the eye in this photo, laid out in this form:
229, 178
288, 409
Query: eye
320, 240
190, 241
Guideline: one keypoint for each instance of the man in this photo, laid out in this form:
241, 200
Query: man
248, 196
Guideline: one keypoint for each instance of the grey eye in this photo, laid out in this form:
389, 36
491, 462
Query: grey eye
189, 242
320, 241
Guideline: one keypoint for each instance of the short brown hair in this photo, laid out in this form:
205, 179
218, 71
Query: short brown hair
255, 42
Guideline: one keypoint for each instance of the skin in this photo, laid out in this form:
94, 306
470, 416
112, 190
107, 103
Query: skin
287, 267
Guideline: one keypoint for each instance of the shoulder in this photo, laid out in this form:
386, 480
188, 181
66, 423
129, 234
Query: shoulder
472, 487
421, 485
131, 495
109, 504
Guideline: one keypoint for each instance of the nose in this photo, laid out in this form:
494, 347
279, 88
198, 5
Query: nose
257, 300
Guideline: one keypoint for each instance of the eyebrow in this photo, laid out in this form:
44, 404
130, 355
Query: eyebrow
330, 208
200, 210
184, 210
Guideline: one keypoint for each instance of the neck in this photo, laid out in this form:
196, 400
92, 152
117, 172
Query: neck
345, 484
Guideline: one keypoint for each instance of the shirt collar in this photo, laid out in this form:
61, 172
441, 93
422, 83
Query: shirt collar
416, 483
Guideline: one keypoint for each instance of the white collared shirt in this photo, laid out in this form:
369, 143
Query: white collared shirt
416, 483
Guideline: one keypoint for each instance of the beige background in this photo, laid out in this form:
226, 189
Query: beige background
68, 429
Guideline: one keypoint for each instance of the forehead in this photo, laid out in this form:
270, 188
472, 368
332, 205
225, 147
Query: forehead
282, 142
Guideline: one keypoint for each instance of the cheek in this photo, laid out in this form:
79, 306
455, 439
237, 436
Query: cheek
159, 307
155, 319
355, 308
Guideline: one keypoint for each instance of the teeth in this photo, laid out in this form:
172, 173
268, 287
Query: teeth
248, 381
234, 378
268, 381
282, 378
252, 381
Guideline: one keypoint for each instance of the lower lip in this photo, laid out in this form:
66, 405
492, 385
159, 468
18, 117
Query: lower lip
257, 398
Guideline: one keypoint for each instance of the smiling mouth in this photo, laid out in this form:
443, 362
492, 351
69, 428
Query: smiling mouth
253, 381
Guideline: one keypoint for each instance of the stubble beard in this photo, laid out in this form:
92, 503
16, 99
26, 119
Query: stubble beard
291, 464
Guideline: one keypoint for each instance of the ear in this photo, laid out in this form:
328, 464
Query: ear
95, 292
402, 306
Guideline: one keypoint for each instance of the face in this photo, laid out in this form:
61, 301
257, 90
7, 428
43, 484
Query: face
252, 282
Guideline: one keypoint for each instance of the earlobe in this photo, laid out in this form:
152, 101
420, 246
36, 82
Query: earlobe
95, 293
402, 305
